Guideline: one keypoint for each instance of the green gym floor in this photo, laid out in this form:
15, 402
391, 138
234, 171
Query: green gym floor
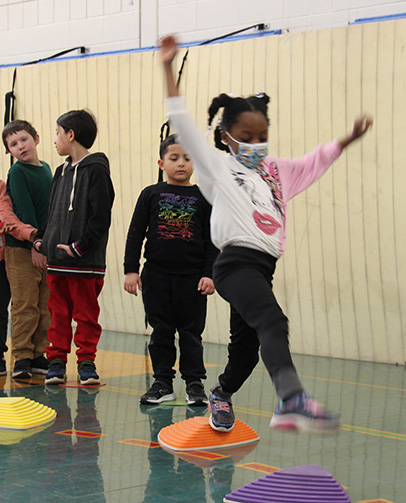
102, 446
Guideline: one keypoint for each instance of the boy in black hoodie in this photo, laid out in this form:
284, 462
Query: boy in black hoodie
74, 241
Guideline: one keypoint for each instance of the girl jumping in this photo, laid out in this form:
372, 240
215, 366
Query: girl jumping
249, 191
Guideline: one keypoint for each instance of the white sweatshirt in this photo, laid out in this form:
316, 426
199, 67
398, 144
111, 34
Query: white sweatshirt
249, 206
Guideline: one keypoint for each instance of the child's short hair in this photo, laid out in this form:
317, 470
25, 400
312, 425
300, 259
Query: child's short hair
163, 147
16, 126
82, 123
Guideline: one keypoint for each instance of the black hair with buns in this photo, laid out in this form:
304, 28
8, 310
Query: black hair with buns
233, 107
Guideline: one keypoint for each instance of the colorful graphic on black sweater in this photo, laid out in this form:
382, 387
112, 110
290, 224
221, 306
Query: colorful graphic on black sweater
175, 218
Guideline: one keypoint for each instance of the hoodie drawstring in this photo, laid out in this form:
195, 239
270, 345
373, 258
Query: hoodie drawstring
64, 167
72, 194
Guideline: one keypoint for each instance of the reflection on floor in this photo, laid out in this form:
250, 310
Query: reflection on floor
103, 445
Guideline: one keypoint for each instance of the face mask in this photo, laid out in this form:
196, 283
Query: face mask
249, 155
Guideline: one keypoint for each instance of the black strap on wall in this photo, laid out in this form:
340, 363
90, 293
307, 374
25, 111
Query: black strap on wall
10, 98
80, 48
165, 128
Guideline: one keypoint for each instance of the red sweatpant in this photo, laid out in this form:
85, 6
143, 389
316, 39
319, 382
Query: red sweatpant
73, 298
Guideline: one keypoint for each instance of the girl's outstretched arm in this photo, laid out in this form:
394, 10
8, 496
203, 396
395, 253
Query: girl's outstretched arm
361, 126
168, 50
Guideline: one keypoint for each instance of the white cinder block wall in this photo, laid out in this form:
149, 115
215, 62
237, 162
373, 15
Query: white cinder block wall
33, 29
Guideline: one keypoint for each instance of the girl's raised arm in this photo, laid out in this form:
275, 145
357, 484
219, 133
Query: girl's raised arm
168, 50
205, 158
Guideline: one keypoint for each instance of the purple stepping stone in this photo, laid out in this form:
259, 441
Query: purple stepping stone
301, 484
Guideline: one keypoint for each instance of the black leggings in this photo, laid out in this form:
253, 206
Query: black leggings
243, 277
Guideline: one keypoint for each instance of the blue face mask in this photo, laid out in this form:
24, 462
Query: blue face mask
249, 155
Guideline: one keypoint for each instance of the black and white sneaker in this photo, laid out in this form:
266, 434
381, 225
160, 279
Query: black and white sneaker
158, 392
87, 373
195, 394
22, 369
40, 365
56, 372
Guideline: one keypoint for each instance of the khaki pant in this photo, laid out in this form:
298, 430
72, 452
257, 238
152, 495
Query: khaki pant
30, 318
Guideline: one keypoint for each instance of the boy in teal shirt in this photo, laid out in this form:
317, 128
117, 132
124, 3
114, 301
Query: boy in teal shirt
28, 184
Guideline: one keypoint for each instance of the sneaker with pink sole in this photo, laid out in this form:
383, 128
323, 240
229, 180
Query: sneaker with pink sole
303, 413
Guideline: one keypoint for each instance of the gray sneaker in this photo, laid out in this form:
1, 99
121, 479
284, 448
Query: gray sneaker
303, 413
222, 414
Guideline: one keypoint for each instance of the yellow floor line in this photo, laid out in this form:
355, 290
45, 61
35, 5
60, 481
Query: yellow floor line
353, 383
377, 433
343, 382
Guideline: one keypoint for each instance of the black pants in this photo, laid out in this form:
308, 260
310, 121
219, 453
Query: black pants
4, 302
172, 303
243, 277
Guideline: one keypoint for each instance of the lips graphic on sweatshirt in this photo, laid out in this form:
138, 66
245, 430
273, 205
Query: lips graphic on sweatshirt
267, 224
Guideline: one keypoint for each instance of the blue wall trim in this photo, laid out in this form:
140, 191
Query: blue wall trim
260, 34
378, 19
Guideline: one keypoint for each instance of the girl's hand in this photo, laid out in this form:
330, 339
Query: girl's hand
361, 126
67, 249
168, 49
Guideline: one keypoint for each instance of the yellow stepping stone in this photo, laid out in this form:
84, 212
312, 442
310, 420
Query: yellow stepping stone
19, 413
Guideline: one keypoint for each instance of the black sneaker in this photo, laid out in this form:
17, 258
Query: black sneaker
40, 365
195, 394
158, 392
221, 408
3, 368
87, 373
56, 372
22, 369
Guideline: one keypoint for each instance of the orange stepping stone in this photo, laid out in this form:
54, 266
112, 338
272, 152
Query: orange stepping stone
196, 434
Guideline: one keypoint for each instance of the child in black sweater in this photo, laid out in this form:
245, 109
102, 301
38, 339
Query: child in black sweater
174, 218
